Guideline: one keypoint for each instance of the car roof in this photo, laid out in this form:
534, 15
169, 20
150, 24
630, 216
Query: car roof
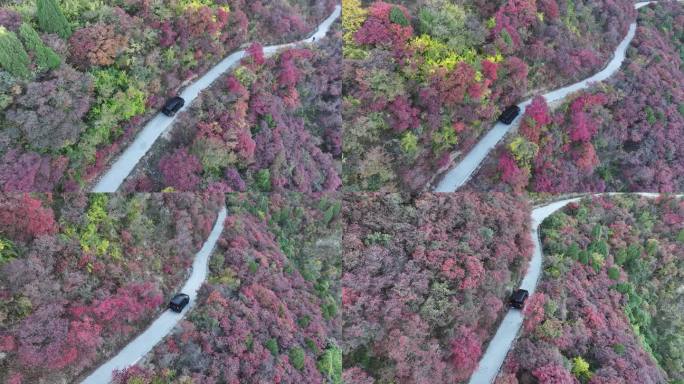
178, 295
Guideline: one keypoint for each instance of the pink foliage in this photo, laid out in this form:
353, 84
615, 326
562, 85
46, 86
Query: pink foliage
554, 374
180, 170
536, 116
534, 311
466, 348
24, 217
30, 172
404, 116
379, 30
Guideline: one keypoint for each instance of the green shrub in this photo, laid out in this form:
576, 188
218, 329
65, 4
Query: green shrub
330, 364
619, 349
409, 143
262, 180
377, 238
572, 251
397, 17
51, 19
272, 345
297, 358
13, 56
580, 368
46, 58
614, 273
7, 251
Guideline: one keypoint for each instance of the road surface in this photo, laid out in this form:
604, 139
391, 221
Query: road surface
124, 165
163, 325
459, 175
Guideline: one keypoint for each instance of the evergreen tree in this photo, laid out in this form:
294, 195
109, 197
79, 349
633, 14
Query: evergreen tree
46, 58
51, 19
13, 57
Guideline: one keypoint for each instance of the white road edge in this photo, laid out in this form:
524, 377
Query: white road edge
163, 325
461, 173
493, 358
124, 165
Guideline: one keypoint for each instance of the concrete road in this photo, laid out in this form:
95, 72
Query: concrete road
163, 325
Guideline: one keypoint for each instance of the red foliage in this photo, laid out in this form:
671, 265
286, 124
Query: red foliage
24, 217
490, 68
180, 170
30, 172
256, 52
553, 374
534, 311
378, 29
510, 172
467, 349
98, 44
536, 117
404, 116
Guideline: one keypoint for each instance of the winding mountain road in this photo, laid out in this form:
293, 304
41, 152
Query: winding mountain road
459, 175
124, 165
500, 345
163, 325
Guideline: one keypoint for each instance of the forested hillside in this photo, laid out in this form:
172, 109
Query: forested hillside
79, 78
624, 134
609, 307
425, 281
80, 275
269, 310
272, 124
424, 80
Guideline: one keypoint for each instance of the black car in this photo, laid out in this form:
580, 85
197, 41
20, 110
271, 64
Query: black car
518, 298
173, 105
179, 302
509, 114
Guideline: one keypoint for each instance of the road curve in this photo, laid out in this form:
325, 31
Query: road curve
459, 175
163, 325
499, 346
124, 165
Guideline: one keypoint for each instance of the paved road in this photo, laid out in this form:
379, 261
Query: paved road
459, 175
124, 165
161, 327
498, 348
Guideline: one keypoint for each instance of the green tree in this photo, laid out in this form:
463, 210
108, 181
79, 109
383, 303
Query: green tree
272, 346
330, 364
397, 17
297, 358
580, 368
13, 56
46, 58
51, 19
